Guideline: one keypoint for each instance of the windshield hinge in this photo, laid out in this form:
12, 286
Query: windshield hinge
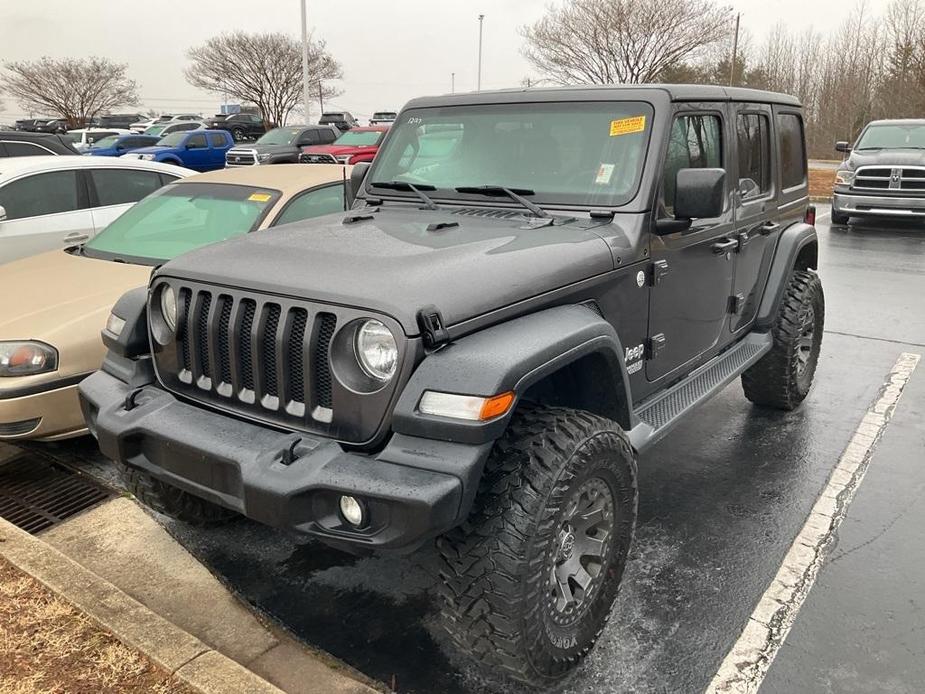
433, 330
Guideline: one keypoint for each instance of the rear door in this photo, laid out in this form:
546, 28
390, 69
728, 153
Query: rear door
756, 209
114, 190
692, 270
218, 146
44, 211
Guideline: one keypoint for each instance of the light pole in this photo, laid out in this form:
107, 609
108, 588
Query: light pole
479, 83
735, 52
452, 83
305, 83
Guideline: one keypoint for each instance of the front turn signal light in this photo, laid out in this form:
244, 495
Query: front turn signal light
469, 407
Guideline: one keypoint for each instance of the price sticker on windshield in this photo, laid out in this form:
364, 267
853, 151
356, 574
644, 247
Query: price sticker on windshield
627, 126
260, 197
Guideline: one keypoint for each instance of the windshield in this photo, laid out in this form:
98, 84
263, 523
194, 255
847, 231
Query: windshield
359, 138
893, 136
155, 130
586, 153
172, 140
279, 136
179, 218
383, 115
106, 142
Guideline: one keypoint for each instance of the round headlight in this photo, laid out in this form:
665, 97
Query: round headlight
169, 307
376, 350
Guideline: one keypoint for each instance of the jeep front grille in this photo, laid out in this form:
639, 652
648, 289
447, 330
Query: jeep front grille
897, 179
268, 357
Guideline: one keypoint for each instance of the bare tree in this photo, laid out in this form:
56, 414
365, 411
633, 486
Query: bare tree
612, 41
265, 69
76, 89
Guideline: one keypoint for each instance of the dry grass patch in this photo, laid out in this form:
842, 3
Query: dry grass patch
48, 646
821, 182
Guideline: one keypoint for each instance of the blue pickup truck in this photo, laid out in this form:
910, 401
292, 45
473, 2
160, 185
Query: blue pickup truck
199, 150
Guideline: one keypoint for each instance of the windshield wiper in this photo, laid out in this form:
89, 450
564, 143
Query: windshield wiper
416, 189
515, 194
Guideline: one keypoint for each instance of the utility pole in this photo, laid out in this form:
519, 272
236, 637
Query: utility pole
735, 52
452, 83
479, 83
306, 96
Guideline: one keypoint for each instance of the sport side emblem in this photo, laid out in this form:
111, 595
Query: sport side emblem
640, 278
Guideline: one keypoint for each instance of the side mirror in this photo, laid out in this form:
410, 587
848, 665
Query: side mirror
842, 146
699, 194
2, 213
356, 182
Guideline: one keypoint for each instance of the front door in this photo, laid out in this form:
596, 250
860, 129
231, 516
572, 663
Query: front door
755, 209
197, 156
692, 270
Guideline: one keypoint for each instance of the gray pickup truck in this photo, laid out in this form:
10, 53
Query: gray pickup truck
530, 288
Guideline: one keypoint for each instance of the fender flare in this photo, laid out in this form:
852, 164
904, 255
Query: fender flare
797, 244
511, 356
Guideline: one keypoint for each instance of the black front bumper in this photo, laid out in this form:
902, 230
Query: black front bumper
414, 489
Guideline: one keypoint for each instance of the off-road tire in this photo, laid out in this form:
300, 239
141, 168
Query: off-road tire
839, 218
783, 377
174, 502
497, 570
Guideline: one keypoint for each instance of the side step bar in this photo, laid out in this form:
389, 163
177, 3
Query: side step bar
658, 415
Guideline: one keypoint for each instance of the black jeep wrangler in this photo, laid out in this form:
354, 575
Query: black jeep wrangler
529, 289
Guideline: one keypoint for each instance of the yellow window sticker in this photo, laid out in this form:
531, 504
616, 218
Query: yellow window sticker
627, 126
259, 197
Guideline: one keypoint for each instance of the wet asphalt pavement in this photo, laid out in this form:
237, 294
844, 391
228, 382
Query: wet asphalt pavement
721, 499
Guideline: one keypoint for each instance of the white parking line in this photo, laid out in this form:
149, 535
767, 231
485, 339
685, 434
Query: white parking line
745, 666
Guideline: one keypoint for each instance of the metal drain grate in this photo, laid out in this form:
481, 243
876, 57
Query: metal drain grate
36, 494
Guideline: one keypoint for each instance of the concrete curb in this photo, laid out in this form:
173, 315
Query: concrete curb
176, 651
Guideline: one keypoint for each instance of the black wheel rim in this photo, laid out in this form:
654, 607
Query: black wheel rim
581, 550
805, 342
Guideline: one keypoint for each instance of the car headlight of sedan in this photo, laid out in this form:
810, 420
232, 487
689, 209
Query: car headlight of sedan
844, 177
376, 350
27, 358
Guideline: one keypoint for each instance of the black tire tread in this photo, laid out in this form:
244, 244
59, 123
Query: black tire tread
486, 602
772, 381
174, 502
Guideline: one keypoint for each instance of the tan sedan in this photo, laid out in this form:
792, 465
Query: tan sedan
56, 303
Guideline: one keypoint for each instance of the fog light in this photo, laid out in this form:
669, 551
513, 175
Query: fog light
352, 511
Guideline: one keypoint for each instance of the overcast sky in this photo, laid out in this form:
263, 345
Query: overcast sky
390, 50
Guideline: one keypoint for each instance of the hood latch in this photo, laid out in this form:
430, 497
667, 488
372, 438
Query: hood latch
433, 329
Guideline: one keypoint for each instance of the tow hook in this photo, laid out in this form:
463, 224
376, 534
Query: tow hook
130, 400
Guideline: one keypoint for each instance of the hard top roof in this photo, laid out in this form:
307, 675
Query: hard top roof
675, 92
286, 178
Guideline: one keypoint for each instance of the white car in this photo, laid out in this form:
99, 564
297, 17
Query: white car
82, 138
141, 126
165, 129
49, 202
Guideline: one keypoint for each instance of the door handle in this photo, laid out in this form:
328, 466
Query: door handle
768, 228
76, 238
722, 247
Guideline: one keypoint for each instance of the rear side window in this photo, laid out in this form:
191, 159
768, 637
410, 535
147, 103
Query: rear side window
24, 149
314, 203
754, 140
217, 139
121, 186
46, 193
326, 136
792, 150
696, 143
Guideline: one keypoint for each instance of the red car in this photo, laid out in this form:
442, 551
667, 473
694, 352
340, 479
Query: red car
354, 146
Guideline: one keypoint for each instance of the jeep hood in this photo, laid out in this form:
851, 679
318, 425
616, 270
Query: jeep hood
392, 264
886, 157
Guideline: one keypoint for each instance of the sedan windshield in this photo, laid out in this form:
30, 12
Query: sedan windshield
359, 138
586, 153
893, 136
279, 136
179, 218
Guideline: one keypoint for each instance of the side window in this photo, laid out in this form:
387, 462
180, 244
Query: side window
197, 141
696, 142
792, 150
24, 149
754, 140
313, 204
121, 186
217, 139
309, 137
47, 193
